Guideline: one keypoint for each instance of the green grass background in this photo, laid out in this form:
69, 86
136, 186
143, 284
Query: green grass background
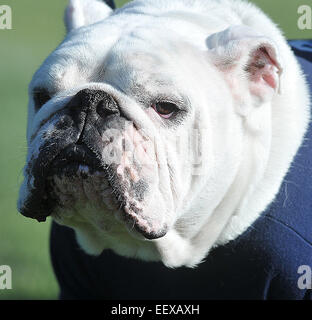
38, 29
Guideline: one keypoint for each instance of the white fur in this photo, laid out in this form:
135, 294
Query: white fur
80, 13
249, 140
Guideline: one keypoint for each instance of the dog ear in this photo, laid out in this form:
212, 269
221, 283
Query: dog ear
84, 12
248, 59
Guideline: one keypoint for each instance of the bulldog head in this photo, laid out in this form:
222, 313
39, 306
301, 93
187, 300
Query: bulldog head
137, 129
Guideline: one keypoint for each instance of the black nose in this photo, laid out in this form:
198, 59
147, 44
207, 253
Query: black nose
96, 101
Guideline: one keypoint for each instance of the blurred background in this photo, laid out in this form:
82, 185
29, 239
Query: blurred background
37, 30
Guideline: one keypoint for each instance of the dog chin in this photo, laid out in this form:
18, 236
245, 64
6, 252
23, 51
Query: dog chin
86, 204
99, 228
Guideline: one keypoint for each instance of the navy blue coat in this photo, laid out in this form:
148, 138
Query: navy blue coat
262, 263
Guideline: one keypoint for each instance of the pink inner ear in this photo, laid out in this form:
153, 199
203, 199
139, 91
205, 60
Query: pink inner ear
263, 68
269, 77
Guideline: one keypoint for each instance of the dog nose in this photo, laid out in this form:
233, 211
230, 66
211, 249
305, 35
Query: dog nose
97, 101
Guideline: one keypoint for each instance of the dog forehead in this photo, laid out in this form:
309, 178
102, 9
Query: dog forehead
82, 59
118, 45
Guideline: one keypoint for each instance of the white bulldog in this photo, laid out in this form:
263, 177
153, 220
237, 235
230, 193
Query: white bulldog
164, 128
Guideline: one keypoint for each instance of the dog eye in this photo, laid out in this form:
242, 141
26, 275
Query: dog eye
165, 109
41, 96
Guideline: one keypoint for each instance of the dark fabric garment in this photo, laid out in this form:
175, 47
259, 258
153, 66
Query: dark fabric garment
111, 3
262, 263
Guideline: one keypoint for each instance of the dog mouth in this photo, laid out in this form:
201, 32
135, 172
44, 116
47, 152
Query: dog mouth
73, 160
76, 174
77, 177
76, 158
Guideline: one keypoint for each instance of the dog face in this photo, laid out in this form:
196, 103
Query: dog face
136, 134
